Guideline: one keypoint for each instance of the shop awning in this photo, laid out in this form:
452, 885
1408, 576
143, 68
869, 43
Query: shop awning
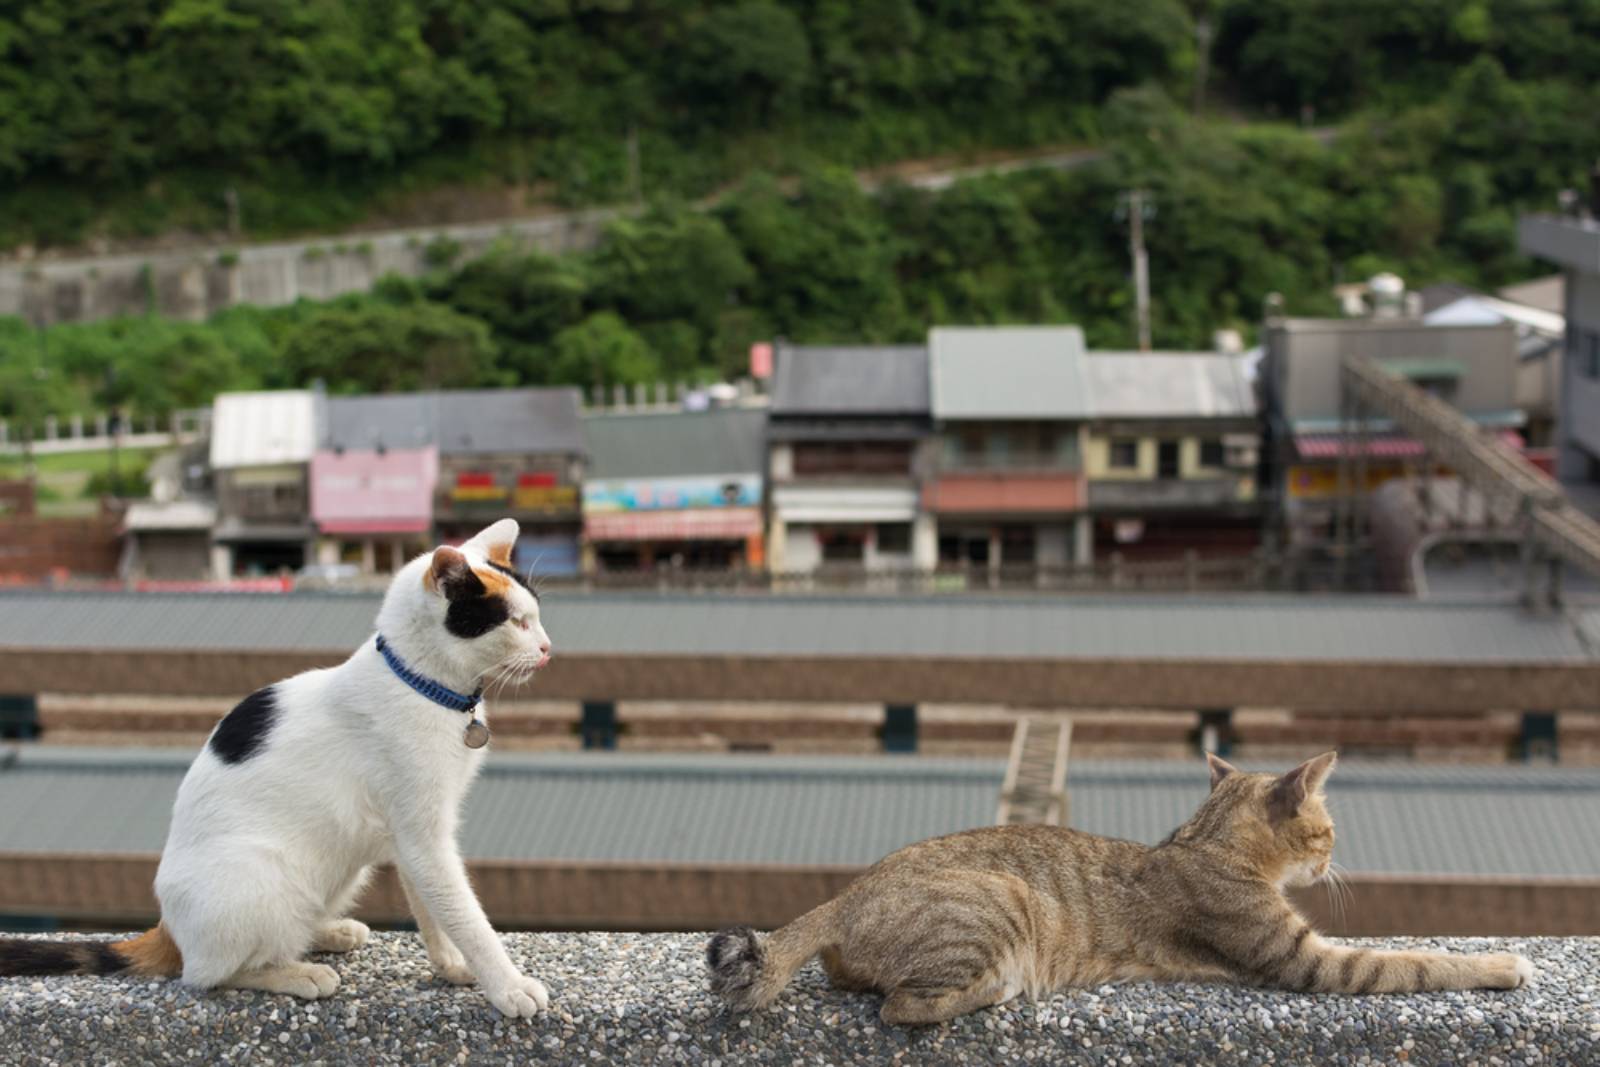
694, 524
1314, 446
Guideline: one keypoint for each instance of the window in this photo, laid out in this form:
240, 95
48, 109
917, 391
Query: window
883, 458
842, 546
1017, 544
1124, 453
894, 538
1211, 454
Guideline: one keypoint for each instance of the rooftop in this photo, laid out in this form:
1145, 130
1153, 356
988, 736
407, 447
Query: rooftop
821, 380
263, 429
1228, 628
614, 807
1172, 385
828, 811
675, 444
1009, 372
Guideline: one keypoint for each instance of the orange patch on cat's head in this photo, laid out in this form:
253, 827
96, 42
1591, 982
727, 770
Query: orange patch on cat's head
494, 583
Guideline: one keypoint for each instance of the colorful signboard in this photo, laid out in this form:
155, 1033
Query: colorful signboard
360, 491
656, 494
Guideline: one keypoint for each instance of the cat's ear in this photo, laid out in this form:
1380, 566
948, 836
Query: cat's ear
1220, 768
449, 568
1291, 791
498, 540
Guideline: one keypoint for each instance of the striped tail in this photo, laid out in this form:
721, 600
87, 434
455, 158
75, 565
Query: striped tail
749, 971
152, 954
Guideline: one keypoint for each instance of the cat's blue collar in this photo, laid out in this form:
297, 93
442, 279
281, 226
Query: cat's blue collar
441, 695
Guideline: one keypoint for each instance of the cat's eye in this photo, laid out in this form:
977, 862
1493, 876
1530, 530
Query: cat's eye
521, 621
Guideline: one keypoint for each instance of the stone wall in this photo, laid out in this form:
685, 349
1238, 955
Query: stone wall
195, 283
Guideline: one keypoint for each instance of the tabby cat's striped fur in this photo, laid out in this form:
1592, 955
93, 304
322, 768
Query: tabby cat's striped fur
958, 923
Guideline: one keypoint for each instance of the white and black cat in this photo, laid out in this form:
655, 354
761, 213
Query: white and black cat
310, 782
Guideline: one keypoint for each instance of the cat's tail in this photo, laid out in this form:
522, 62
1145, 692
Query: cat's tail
749, 970
152, 954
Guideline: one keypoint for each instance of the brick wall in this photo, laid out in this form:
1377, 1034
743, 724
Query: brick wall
31, 548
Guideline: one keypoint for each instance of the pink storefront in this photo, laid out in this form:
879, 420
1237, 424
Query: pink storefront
373, 508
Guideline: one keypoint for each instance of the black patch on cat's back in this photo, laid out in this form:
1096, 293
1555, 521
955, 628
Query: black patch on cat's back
472, 612
243, 731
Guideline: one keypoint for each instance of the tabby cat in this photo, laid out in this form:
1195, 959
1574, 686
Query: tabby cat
958, 923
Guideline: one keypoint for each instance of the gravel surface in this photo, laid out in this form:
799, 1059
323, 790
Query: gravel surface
641, 998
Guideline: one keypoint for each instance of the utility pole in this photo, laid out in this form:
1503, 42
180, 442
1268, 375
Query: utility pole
1202, 63
1136, 203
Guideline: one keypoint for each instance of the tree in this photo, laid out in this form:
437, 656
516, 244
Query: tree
369, 347
601, 351
751, 61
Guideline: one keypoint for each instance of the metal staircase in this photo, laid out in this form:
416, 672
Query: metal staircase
1484, 462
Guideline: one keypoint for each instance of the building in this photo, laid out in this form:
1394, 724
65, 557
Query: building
1473, 367
261, 449
373, 480
1572, 241
674, 488
517, 453
1538, 357
846, 438
1172, 454
1011, 408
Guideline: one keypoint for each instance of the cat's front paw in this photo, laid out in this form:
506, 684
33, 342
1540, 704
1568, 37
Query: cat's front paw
452, 967
520, 998
1504, 970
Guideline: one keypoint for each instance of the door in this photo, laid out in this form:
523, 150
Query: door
1167, 459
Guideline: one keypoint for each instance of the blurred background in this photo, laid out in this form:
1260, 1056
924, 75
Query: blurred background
918, 415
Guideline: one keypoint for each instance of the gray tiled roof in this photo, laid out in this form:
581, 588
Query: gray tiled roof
851, 380
396, 420
686, 809
1171, 385
1008, 372
827, 810
458, 421
677, 443
509, 420
1241, 628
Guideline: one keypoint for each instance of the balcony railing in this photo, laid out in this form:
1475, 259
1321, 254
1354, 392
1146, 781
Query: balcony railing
1169, 492
1003, 462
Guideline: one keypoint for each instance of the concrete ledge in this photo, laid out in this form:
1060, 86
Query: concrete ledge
641, 998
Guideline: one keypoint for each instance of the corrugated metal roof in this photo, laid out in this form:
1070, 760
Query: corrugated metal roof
1390, 818
676, 444
263, 429
1179, 385
851, 380
170, 515
1008, 372
1243, 628
827, 810
684, 809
